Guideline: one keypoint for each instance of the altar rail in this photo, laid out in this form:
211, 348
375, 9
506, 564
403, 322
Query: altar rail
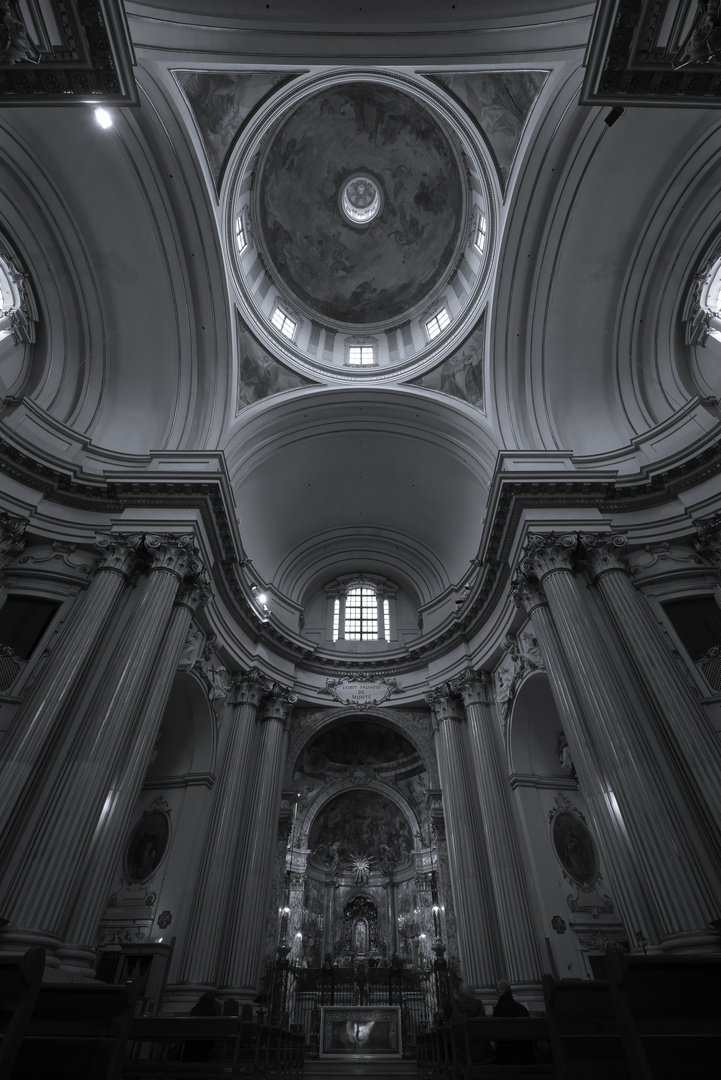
297, 994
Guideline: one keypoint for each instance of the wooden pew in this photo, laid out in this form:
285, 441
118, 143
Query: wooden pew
161, 1047
76, 1030
585, 1035
669, 1013
471, 1039
19, 987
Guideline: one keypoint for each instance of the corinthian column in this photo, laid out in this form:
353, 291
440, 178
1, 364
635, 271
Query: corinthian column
30, 743
38, 891
86, 908
691, 746
470, 874
215, 898
245, 931
661, 862
515, 918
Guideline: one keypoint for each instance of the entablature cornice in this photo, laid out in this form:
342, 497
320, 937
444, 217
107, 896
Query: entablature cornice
199, 483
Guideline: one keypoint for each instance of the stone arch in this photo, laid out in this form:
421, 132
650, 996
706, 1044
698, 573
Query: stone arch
410, 725
305, 824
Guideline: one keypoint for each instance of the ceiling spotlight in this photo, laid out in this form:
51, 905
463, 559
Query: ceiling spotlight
104, 118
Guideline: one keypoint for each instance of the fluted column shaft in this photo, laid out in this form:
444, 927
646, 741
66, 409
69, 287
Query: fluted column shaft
641, 800
473, 899
214, 898
85, 909
515, 919
690, 742
75, 807
31, 741
613, 841
245, 939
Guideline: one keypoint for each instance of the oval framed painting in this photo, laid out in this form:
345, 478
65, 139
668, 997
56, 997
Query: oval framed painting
575, 848
146, 846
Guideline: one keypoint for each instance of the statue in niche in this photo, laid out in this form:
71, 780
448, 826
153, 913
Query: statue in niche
563, 752
191, 648
360, 936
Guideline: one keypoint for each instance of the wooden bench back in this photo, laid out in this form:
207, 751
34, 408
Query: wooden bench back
19, 987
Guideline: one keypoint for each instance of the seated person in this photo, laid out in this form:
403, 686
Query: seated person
511, 1053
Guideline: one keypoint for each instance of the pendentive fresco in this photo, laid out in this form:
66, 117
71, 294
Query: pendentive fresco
259, 375
222, 102
461, 374
500, 102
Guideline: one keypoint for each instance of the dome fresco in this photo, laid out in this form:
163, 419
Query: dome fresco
350, 271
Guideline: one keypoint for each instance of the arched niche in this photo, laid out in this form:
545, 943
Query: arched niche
533, 724
186, 743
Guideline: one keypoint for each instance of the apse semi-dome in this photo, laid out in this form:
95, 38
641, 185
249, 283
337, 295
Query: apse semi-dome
360, 225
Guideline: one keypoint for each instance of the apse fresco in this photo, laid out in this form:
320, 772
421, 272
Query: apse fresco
461, 374
378, 271
259, 375
221, 102
360, 832
500, 102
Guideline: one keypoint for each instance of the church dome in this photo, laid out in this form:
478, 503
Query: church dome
358, 198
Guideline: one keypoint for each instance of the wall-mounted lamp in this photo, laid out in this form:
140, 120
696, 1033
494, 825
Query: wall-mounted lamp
103, 117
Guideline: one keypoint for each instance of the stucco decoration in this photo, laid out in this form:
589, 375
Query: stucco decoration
259, 375
461, 374
360, 827
221, 103
499, 102
360, 273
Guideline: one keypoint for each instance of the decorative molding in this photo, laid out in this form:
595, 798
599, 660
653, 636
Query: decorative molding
625, 63
514, 497
12, 535
74, 51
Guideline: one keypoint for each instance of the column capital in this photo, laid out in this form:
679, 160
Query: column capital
475, 687
546, 553
118, 551
249, 687
444, 704
526, 591
708, 538
12, 535
195, 591
278, 704
174, 552
600, 552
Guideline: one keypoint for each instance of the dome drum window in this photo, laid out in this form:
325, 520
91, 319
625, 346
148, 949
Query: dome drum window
284, 323
438, 323
241, 234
